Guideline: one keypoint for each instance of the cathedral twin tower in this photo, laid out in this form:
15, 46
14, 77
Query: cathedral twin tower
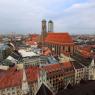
44, 27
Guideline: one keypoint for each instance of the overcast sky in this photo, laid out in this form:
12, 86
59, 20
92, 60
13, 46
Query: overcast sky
73, 16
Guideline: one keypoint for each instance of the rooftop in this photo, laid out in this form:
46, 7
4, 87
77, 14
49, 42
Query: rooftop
62, 38
77, 65
80, 59
11, 78
32, 73
25, 53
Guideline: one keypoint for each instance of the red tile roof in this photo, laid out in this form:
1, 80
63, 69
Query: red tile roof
31, 43
52, 67
55, 67
2, 72
86, 48
32, 73
33, 37
67, 65
11, 78
85, 53
32, 40
59, 38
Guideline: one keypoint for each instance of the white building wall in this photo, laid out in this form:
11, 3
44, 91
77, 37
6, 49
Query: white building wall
79, 74
91, 70
11, 91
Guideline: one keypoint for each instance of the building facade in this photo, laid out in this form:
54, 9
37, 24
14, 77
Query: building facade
59, 43
10, 82
79, 72
53, 77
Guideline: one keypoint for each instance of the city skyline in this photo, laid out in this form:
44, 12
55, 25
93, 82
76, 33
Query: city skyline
25, 16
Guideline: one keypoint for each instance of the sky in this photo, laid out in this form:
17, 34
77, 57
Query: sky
25, 16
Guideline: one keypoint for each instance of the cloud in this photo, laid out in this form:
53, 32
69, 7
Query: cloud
80, 6
79, 18
25, 15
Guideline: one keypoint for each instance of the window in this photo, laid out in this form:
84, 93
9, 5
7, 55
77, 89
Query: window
3, 90
13, 93
12, 88
7, 89
9, 94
